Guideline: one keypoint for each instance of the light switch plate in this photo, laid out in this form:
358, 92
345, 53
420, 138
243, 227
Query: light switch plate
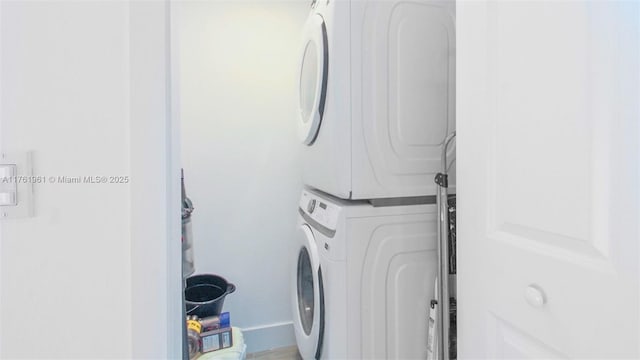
8, 198
7, 171
16, 185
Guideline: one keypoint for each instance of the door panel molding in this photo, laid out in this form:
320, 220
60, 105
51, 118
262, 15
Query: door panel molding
548, 179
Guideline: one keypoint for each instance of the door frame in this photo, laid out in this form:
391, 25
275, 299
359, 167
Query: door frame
156, 275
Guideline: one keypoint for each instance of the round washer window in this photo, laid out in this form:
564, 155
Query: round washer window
305, 290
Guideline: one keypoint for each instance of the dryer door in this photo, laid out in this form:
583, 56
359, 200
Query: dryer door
308, 297
313, 78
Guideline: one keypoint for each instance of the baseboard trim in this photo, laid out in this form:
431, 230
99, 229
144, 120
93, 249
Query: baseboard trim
268, 337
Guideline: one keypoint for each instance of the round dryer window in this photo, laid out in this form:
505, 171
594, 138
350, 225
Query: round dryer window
313, 78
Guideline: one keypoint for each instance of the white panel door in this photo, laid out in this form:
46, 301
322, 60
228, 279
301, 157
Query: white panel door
548, 181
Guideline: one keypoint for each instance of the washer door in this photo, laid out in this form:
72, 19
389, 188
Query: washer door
308, 297
312, 89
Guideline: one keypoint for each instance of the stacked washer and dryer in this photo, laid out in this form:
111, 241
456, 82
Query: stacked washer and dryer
377, 100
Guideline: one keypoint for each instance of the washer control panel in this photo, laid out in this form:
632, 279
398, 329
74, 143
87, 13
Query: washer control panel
320, 210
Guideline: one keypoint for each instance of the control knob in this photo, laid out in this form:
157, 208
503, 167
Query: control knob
311, 206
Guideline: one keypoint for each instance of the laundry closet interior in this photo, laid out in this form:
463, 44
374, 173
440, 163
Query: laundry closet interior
320, 179
394, 179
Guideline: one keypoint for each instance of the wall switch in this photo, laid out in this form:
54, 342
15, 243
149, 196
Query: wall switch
16, 185
7, 172
8, 198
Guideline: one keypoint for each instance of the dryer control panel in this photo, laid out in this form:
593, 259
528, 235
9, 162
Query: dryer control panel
320, 210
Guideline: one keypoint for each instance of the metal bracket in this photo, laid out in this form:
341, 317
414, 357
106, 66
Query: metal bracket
442, 180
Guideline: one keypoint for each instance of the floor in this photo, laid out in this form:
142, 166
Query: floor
287, 353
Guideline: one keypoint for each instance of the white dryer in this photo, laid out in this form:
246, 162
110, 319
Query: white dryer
376, 96
363, 279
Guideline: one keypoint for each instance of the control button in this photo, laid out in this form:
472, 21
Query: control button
311, 206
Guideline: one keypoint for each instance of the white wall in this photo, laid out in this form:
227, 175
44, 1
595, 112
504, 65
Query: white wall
238, 63
95, 273
65, 97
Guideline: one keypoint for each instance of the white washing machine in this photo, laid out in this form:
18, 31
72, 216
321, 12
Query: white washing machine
363, 279
376, 96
